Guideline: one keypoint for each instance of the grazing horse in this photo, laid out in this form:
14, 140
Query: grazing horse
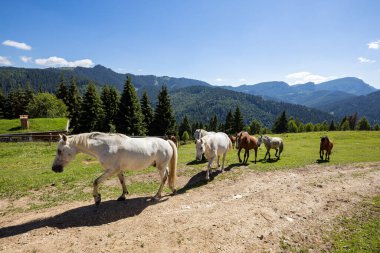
327, 145
246, 141
233, 140
116, 153
272, 143
213, 145
198, 134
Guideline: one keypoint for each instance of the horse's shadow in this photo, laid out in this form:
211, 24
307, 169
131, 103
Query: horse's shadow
199, 179
195, 162
90, 215
269, 160
322, 161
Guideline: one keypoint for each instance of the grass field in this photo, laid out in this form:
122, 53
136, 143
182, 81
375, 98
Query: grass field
25, 168
9, 126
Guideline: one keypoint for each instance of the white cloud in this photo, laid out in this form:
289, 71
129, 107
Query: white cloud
241, 80
365, 60
139, 70
26, 59
55, 61
304, 77
19, 45
5, 61
374, 45
219, 79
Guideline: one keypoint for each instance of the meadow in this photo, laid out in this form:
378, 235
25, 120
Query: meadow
9, 126
25, 168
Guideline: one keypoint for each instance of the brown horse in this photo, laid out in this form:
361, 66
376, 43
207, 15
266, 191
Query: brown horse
246, 141
327, 145
233, 140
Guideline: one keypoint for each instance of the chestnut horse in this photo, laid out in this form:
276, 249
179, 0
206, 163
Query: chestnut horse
327, 145
246, 141
233, 140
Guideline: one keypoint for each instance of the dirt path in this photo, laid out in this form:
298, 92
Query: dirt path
252, 213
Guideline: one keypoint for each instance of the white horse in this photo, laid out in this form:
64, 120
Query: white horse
272, 143
116, 153
199, 133
213, 145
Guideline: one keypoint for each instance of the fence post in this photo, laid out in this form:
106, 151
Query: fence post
51, 139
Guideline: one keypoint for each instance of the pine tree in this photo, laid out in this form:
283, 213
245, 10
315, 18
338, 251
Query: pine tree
238, 121
2, 103
363, 124
376, 127
62, 92
229, 125
147, 112
110, 103
164, 122
281, 124
184, 126
352, 120
213, 126
332, 126
74, 105
129, 119
28, 93
91, 113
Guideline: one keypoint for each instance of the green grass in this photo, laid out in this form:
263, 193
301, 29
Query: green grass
25, 168
360, 233
8, 126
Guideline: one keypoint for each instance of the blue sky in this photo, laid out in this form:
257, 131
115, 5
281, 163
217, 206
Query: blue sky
221, 42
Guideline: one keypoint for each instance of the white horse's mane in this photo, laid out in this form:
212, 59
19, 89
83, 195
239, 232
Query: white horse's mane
82, 139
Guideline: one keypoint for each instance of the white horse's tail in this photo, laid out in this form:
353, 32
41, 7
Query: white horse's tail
173, 166
281, 147
230, 144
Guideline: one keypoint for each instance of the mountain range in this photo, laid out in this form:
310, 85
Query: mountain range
308, 102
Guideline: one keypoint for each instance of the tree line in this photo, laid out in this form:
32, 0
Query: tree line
110, 111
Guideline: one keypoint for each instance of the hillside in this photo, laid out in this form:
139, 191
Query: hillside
202, 103
309, 94
48, 79
364, 105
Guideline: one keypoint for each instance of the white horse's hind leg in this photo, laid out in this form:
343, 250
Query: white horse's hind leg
98, 181
224, 158
163, 175
218, 161
122, 182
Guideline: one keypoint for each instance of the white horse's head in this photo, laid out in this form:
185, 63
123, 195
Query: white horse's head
200, 147
65, 153
259, 140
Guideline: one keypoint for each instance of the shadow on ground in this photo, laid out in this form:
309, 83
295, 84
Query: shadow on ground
90, 215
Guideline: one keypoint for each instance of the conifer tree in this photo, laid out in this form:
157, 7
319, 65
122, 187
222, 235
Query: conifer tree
229, 125
164, 122
363, 124
2, 103
62, 92
238, 121
281, 124
129, 119
147, 111
332, 126
110, 103
184, 126
91, 113
74, 105
213, 126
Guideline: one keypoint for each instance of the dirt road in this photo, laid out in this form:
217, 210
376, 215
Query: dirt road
254, 212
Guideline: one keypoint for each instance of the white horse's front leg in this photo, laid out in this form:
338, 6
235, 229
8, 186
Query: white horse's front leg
122, 182
98, 181
209, 168
218, 162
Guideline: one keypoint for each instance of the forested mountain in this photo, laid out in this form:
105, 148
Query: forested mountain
48, 79
202, 103
309, 94
368, 106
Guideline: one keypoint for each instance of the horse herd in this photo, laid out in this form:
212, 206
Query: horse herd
118, 152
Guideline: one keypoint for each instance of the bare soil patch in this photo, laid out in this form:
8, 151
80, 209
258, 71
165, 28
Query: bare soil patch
253, 212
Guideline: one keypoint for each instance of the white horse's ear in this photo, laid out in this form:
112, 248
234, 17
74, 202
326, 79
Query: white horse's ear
64, 137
